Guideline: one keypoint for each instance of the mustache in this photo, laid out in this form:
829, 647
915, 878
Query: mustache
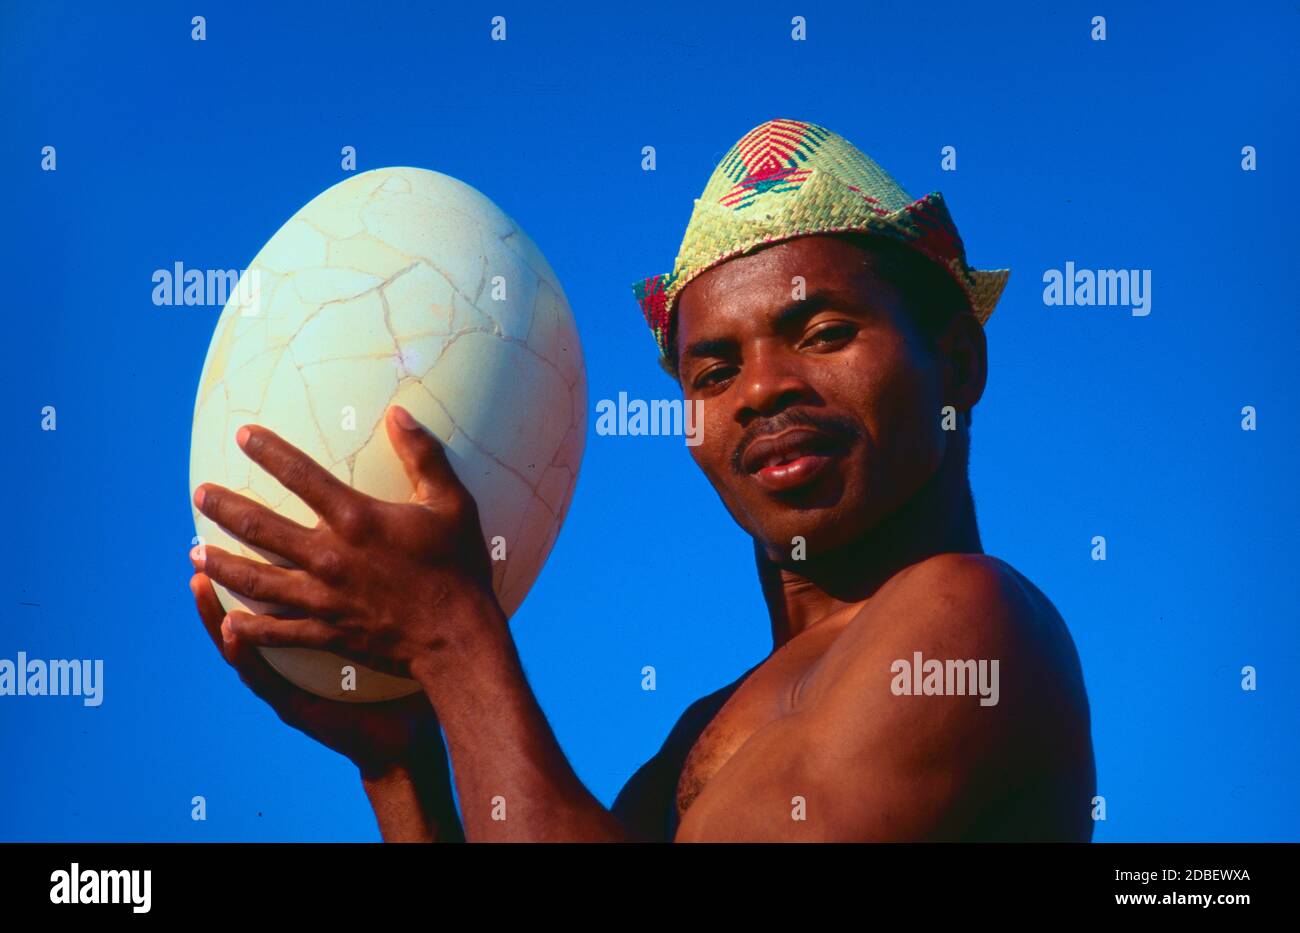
840, 428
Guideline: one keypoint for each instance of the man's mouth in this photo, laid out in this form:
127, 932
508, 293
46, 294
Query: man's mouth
791, 459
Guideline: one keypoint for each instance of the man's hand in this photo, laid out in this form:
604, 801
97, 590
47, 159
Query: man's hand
375, 736
407, 588
396, 745
388, 584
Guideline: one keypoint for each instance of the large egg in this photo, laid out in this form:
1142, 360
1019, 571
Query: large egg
404, 286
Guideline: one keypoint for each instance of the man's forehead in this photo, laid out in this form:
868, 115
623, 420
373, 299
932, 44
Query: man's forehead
765, 283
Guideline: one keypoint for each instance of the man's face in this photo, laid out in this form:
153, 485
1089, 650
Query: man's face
821, 415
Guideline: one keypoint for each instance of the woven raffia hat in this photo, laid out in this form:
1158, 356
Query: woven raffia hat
787, 178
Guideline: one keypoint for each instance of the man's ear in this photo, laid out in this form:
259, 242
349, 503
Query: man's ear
964, 351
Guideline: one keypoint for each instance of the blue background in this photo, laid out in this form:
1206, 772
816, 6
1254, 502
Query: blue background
1117, 154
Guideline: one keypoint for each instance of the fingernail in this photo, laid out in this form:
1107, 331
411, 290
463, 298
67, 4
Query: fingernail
227, 630
198, 496
241, 436
404, 419
196, 555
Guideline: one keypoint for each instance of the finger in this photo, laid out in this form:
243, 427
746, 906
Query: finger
274, 632
331, 498
423, 457
252, 668
254, 523
210, 609
267, 583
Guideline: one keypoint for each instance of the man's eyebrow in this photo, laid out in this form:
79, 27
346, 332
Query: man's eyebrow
791, 315
801, 309
710, 346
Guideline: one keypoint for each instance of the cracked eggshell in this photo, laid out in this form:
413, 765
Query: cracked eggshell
384, 289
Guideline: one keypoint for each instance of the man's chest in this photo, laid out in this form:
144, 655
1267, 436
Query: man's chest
770, 693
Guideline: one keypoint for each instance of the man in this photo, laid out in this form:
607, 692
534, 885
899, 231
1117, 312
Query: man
917, 689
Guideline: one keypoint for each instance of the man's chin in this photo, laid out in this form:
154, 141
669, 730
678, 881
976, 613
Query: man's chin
811, 532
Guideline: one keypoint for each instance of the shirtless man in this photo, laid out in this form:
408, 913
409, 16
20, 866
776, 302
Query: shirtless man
836, 414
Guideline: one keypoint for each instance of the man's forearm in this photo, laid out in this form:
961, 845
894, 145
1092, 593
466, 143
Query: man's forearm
413, 801
514, 781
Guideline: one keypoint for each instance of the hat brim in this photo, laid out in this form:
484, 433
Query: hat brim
924, 225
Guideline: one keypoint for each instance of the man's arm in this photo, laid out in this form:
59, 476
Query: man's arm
857, 762
513, 780
412, 800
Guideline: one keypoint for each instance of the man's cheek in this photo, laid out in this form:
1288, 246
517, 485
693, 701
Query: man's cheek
910, 441
703, 437
709, 457
714, 458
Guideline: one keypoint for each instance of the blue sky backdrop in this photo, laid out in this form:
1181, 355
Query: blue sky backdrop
1117, 154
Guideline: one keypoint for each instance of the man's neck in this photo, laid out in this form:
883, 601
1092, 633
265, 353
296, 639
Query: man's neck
939, 519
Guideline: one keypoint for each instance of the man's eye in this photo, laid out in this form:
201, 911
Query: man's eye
714, 376
835, 333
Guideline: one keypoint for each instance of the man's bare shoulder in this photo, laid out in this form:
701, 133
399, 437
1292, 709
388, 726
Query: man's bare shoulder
959, 675
973, 600
954, 608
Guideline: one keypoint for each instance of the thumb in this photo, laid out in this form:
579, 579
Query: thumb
422, 455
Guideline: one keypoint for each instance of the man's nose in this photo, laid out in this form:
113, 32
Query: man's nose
770, 383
